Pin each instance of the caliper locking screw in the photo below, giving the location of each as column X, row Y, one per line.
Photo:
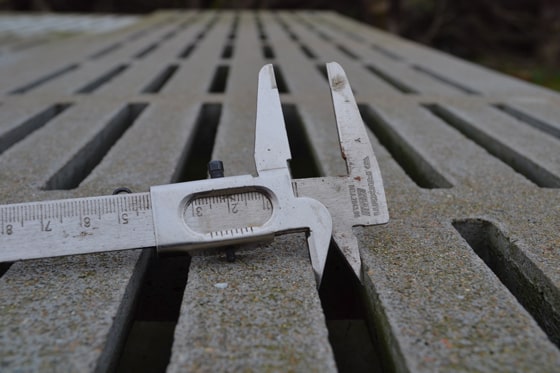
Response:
column 216, row 170
column 122, row 190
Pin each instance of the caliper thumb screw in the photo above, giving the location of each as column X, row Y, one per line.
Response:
column 216, row 169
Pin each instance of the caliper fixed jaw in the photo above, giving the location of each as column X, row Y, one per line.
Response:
column 357, row 199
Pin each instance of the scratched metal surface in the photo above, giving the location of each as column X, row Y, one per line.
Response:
column 464, row 277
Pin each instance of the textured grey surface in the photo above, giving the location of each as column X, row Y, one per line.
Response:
column 470, row 163
column 21, row 31
column 260, row 313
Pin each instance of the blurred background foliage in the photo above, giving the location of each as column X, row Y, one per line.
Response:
column 519, row 37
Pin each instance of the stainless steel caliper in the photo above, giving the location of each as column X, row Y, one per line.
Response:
column 222, row 211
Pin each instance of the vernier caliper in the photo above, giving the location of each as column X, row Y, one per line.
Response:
column 221, row 211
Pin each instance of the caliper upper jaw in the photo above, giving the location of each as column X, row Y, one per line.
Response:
column 312, row 215
column 272, row 148
column 272, row 153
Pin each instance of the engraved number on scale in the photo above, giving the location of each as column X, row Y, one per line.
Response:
column 228, row 214
column 85, row 214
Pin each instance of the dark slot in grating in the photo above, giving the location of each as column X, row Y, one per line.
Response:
column 90, row 155
column 103, row 79
column 532, row 288
column 386, row 52
column 199, row 149
column 268, row 52
column 184, row 25
column 169, row 35
column 324, row 36
column 303, row 162
column 412, row 163
column 524, row 166
column 351, row 332
column 45, row 79
column 286, row 29
column 147, row 347
column 323, row 70
column 121, row 321
column 234, row 26
column 308, row 53
column 4, row 268
column 187, row 51
column 137, row 35
column 161, row 79
column 260, row 28
column 443, row 79
column 200, row 35
column 280, row 81
column 347, row 52
column 227, row 52
column 402, row 87
column 146, row 50
column 292, row 35
column 219, row 81
column 105, row 51
column 29, row 126
column 530, row 120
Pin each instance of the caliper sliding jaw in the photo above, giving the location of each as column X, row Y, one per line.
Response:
column 357, row 199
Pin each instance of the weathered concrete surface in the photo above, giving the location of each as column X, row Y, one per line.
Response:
column 484, row 148
column 260, row 313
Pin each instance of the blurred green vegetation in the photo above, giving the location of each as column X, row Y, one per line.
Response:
column 530, row 71
column 517, row 37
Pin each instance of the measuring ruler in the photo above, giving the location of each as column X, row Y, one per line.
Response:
column 221, row 211
column 76, row 226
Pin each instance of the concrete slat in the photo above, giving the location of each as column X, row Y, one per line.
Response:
column 48, row 149
column 460, row 162
column 524, row 147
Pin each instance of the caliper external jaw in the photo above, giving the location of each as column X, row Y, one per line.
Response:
column 357, row 199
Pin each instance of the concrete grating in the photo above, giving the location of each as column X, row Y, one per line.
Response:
column 21, row 31
column 463, row 278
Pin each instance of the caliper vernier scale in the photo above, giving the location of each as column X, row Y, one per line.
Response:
column 223, row 211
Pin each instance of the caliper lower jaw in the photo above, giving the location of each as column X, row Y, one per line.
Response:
column 319, row 237
column 350, row 203
column 347, row 243
column 295, row 214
